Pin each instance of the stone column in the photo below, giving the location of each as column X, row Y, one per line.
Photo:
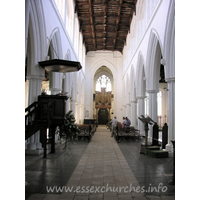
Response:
column 67, row 104
column 55, row 82
column 78, row 113
column 153, row 110
column 27, row 3
column 171, row 113
column 124, row 110
column 35, row 83
column 73, row 106
column 128, row 110
column 81, row 113
column 140, row 112
column 133, row 113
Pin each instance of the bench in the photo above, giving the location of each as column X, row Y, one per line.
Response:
column 128, row 134
column 109, row 126
column 86, row 131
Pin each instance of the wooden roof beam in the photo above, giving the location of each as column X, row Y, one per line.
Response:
column 117, row 23
column 105, row 20
column 92, row 22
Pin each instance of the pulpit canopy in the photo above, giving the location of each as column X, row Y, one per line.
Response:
column 58, row 65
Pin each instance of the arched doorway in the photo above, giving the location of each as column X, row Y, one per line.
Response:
column 103, row 116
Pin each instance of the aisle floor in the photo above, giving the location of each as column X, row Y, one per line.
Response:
column 101, row 169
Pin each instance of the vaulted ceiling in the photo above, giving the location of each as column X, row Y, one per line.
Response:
column 105, row 23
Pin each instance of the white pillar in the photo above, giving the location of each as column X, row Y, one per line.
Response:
column 164, row 108
column 55, row 82
column 124, row 110
column 73, row 106
column 67, row 104
column 81, row 113
column 35, row 84
column 78, row 113
column 133, row 113
column 153, row 110
column 171, row 113
column 128, row 110
column 27, row 2
column 140, row 112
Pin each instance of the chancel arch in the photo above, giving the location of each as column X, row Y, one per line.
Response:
column 103, row 95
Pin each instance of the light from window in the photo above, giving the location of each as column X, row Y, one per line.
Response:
column 159, row 100
column 103, row 82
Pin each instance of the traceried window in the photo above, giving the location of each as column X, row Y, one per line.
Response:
column 103, row 82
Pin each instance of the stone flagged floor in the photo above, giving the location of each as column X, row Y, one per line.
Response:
column 56, row 169
column 146, row 169
column 103, row 166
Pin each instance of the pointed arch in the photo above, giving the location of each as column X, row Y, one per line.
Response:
column 169, row 43
column 154, row 53
column 36, row 38
column 132, row 85
column 127, row 90
column 55, row 47
column 37, row 30
column 55, row 44
column 68, row 55
column 104, row 63
column 140, row 74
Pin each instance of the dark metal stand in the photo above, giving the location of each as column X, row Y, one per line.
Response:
column 52, row 129
column 155, row 135
column 146, row 128
column 164, row 135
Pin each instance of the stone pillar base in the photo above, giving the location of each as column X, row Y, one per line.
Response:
column 38, row 146
column 34, row 152
column 31, row 146
column 149, row 140
column 34, row 149
column 169, row 148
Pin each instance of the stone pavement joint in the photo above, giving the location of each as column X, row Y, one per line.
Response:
column 102, row 164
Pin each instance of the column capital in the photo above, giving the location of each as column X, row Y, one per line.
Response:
column 133, row 101
column 140, row 97
column 169, row 80
column 152, row 91
column 37, row 77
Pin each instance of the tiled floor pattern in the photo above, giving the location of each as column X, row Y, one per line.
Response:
column 56, row 169
column 102, row 166
column 148, row 170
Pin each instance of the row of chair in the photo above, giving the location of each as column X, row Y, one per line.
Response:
column 86, row 131
column 130, row 133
